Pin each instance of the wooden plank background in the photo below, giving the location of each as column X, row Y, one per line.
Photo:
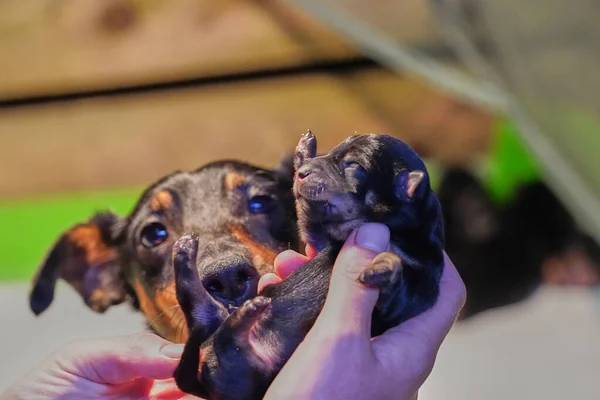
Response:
column 128, row 140
column 75, row 130
column 61, row 47
column 49, row 47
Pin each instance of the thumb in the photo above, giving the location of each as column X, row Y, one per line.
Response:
column 349, row 303
column 123, row 359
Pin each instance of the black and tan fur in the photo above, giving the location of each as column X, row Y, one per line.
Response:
column 242, row 216
column 367, row 178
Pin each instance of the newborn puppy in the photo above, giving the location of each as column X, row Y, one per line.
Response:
column 367, row 178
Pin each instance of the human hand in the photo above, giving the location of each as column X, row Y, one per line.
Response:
column 338, row 359
column 137, row 366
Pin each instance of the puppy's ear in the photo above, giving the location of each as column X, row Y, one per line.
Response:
column 86, row 257
column 407, row 183
column 470, row 215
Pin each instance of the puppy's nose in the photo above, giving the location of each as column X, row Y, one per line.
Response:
column 232, row 285
column 303, row 172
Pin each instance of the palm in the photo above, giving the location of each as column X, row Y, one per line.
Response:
column 138, row 389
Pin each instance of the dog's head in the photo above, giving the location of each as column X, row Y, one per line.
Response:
column 242, row 215
column 366, row 178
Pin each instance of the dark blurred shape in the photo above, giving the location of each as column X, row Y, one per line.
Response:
column 504, row 252
column 118, row 16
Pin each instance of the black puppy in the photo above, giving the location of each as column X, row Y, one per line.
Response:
column 243, row 216
column 367, row 178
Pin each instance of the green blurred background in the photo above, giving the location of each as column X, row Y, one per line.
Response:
column 30, row 226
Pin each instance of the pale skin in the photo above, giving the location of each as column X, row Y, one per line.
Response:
column 337, row 359
column 344, row 362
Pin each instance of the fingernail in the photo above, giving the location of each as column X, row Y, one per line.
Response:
column 373, row 236
column 172, row 351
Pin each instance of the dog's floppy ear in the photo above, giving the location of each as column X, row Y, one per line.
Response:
column 470, row 215
column 85, row 256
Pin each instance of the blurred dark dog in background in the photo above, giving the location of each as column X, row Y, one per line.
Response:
column 505, row 252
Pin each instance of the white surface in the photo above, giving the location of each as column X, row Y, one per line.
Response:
column 26, row 339
column 546, row 348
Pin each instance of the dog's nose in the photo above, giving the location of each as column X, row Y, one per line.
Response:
column 233, row 285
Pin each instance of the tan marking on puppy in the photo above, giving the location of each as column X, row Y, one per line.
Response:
column 234, row 180
column 262, row 256
column 163, row 200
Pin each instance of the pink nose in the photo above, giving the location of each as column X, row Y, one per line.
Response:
column 303, row 173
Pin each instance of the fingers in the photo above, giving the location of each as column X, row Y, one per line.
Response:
column 167, row 390
column 266, row 280
column 416, row 342
column 434, row 324
column 122, row 359
column 350, row 303
column 453, row 295
column 310, row 252
column 287, row 262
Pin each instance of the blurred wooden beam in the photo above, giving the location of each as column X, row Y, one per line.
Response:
column 119, row 141
column 60, row 46
column 50, row 47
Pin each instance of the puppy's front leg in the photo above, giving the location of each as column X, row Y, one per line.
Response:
column 186, row 374
column 202, row 312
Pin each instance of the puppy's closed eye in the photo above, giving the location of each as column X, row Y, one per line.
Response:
column 354, row 171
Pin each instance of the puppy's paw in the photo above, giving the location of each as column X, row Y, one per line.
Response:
column 384, row 271
column 186, row 246
column 247, row 315
column 197, row 305
column 185, row 251
column 255, row 306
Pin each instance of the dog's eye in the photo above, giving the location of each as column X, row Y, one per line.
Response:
column 154, row 234
column 260, row 204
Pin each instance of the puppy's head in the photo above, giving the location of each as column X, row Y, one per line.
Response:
column 373, row 178
column 242, row 216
